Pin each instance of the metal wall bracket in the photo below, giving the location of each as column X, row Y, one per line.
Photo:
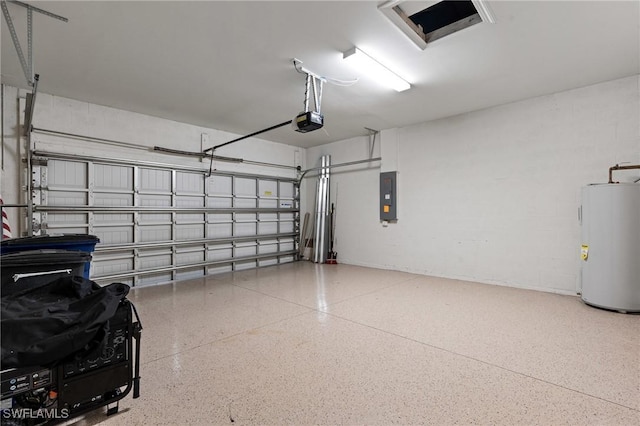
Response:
column 313, row 85
column 27, row 67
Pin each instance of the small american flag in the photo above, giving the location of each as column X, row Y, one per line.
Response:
column 6, row 228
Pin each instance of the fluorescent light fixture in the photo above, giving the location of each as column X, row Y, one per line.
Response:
column 375, row 69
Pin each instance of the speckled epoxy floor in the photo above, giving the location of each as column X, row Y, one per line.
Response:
column 336, row 344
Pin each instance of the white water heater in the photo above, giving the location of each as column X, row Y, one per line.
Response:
column 610, row 252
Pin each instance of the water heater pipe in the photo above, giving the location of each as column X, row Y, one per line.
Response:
column 619, row 167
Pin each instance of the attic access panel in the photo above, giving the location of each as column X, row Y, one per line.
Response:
column 426, row 21
column 445, row 18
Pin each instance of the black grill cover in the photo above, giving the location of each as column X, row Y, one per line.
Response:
column 37, row 261
column 43, row 325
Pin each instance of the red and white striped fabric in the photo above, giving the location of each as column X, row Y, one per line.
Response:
column 6, row 228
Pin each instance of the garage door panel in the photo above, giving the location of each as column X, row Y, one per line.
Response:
column 287, row 190
column 148, row 222
column 245, row 186
column 219, row 185
column 154, row 279
column 111, row 266
column 265, row 203
column 152, row 259
column 286, row 227
column 114, row 234
column 111, row 199
column 267, row 188
column 220, row 252
column 70, row 174
column 66, row 229
column 150, row 233
column 220, row 202
column 220, row 230
column 220, row 269
column 182, row 218
column 67, row 198
column 189, row 183
column 189, row 232
column 110, row 177
column 155, row 218
column 245, row 203
column 245, row 229
column 155, row 200
column 265, row 228
column 155, row 180
column 112, row 219
column 287, row 245
column 66, row 219
column 244, row 265
column 269, row 246
column 244, row 250
column 189, row 201
column 186, row 256
column 267, row 262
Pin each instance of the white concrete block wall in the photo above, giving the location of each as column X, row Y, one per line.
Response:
column 491, row 196
column 71, row 116
column 66, row 115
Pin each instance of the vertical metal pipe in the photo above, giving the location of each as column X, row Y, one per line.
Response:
column 323, row 206
column 323, row 230
column 318, row 219
column 29, row 186
column 321, row 240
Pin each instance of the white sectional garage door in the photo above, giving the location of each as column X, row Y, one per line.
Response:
column 161, row 222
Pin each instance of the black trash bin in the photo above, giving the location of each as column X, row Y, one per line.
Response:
column 72, row 242
column 28, row 269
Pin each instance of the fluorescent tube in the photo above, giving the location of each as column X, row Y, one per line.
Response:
column 375, row 69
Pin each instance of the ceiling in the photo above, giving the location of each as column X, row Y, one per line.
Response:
column 228, row 65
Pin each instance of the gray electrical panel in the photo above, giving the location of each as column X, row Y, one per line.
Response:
column 388, row 196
